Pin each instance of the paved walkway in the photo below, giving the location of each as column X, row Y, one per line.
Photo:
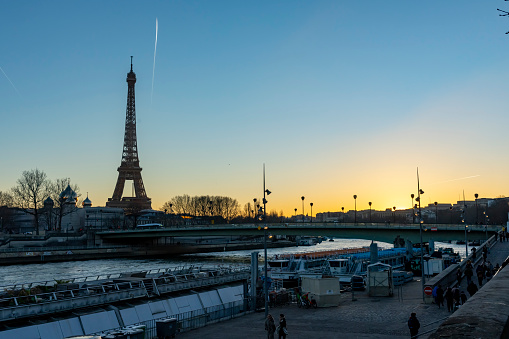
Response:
column 366, row 317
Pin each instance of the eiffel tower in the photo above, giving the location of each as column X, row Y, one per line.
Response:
column 130, row 165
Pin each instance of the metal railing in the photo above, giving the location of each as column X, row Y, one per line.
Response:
column 39, row 298
column 190, row 320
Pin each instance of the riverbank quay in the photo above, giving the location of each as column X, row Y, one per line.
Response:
column 360, row 316
column 33, row 254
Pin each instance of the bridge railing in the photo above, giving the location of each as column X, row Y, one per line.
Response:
column 331, row 225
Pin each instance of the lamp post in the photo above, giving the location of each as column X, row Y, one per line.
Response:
column 436, row 212
column 254, row 208
column 355, row 212
column 369, row 203
column 476, row 213
column 419, row 192
column 296, row 213
column 265, row 287
column 466, row 226
column 486, row 224
column 450, row 211
column 394, row 214
column 343, row 212
column 311, row 204
column 413, row 211
column 302, row 207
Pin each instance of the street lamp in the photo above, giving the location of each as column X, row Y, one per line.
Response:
column 254, row 208
column 355, row 213
column 436, row 212
column 265, row 287
column 413, row 212
column 343, row 212
column 394, row 215
column 302, row 207
column 486, row 224
column 369, row 203
column 418, row 199
column 311, row 204
column 295, row 213
column 476, row 213
column 450, row 211
column 466, row 226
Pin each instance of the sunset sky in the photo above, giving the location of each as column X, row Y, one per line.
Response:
column 336, row 98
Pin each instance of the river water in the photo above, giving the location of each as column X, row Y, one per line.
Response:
column 16, row 274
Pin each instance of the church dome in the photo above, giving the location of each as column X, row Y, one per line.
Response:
column 68, row 195
column 87, row 202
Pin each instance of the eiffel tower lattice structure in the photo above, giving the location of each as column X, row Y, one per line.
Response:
column 130, row 165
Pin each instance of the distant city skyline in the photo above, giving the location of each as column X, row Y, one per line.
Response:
column 336, row 98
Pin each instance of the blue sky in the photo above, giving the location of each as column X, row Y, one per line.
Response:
column 335, row 97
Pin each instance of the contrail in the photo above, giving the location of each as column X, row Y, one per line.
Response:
column 154, row 67
column 11, row 83
column 470, row 177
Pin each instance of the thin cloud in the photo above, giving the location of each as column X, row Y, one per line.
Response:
column 11, row 83
column 457, row 179
column 154, row 66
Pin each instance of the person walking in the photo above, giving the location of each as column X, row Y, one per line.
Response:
column 270, row 326
column 282, row 332
column 458, row 276
column 463, row 297
column 472, row 288
column 440, row 296
column 469, row 271
column 480, row 274
column 449, row 299
column 413, row 325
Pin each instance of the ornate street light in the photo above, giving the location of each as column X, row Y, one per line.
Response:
column 265, row 287
column 302, row 207
column 343, row 211
column 476, row 213
column 355, row 213
column 394, row 215
column 418, row 199
column 413, row 211
column 369, row 203
column 436, row 212
column 311, row 204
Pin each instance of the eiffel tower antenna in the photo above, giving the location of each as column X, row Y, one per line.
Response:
column 130, row 165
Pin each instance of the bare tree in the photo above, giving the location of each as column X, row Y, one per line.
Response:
column 63, row 203
column 204, row 205
column 29, row 193
column 181, row 204
column 246, row 211
column 6, row 199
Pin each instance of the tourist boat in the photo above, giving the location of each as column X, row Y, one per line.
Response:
column 289, row 268
column 346, row 266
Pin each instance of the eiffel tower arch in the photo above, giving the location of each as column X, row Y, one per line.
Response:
column 130, row 165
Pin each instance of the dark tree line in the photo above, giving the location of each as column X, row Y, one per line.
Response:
column 203, row 206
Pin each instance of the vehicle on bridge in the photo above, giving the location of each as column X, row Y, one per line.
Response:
column 148, row 226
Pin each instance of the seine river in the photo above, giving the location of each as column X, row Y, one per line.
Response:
column 16, row 274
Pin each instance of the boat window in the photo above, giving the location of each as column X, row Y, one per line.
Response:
column 334, row 263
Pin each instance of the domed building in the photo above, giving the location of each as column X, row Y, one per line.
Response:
column 68, row 196
column 86, row 202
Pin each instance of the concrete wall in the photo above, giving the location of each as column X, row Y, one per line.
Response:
column 485, row 315
column 447, row 278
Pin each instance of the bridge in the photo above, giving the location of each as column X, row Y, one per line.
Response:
column 370, row 231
